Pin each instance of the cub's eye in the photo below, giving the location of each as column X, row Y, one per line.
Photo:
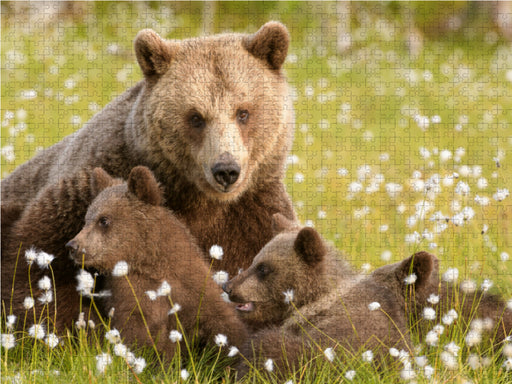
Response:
column 242, row 115
column 104, row 222
column 262, row 271
column 196, row 120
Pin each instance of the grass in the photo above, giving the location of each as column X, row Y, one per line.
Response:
column 362, row 155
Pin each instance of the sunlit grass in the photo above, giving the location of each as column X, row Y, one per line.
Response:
column 382, row 142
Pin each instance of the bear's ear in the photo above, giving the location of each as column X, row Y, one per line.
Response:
column 142, row 183
column 424, row 266
column 153, row 53
column 270, row 44
column 309, row 246
column 100, row 180
column 280, row 224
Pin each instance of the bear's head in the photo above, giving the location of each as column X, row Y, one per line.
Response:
column 291, row 267
column 215, row 110
column 119, row 222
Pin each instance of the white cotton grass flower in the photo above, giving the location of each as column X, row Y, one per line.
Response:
column 411, row 279
column 329, row 354
column 386, row 255
column 349, row 375
column 37, row 331
column 429, row 313
column 175, row 308
column 31, row 255
column 113, row 336
column 393, row 352
column 474, row 361
column 121, row 350
column 152, row 295
column 220, row 277
column 175, row 336
column 504, row 256
column 501, row 194
column 221, row 340
column 85, row 283
column 451, row 275
column 507, row 364
column 8, row 341
column 507, row 350
column 138, row 365
column 433, row 299
column 288, row 296
column 428, row 371
column 184, row 374
column 367, row 356
column 91, row 324
column 432, row 338
column 233, row 351
column 11, row 319
column 452, row 348
column 216, row 252
column 164, row 289
column 408, row 373
column 449, row 360
column 80, row 323
column 46, row 297
column 45, row 283
column 103, row 361
column 52, row 340
column 374, row 306
column 44, row 259
column 120, row 269
column 468, row 286
column 473, row 337
column 421, row 361
column 450, row 317
column 486, row 285
column 269, row 365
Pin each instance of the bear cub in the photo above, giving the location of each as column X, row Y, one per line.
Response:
column 166, row 269
column 299, row 294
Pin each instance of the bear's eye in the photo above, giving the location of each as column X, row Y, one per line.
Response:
column 196, row 120
column 104, row 222
column 242, row 115
column 263, row 270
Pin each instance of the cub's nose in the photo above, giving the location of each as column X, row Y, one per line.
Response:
column 72, row 245
column 226, row 287
column 226, row 170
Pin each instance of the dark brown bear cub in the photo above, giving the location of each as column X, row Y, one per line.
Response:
column 301, row 297
column 126, row 225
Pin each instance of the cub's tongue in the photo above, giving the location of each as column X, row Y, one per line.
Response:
column 247, row 307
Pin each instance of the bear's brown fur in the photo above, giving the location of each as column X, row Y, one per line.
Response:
column 212, row 119
column 127, row 222
column 331, row 304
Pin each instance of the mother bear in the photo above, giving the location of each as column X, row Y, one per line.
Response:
column 212, row 118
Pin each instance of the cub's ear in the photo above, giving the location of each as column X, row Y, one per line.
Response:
column 270, row 44
column 280, row 223
column 425, row 267
column 309, row 246
column 100, row 180
column 142, row 183
column 153, row 53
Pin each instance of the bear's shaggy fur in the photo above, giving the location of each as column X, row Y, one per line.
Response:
column 127, row 222
column 212, row 119
column 332, row 306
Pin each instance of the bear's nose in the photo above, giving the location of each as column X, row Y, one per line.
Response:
column 226, row 287
column 226, row 170
column 72, row 245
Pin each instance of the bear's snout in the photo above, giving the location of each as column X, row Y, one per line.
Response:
column 226, row 287
column 226, row 170
column 72, row 246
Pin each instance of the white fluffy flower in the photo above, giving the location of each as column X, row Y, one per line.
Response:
column 164, row 289
column 30, row 255
column 120, row 350
column 80, row 323
column 45, row 283
column 367, row 356
column 451, row 275
column 85, row 283
column 139, row 364
column 433, row 299
column 44, row 259
column 37, row 331
column 449, row 360
column 432, row 338
column 102, row 361
column 233, row 351
column 408, row 373
column 452, row 348
column 120, row 269
column 152, row 295
column 288, row 296
column 175, row 308
column 507, row 350
column 46, row 297
column 374, row 306
column 329, row 354
column 349, row 375
column 428, row 371
column 468, row 286
column 221, row 340
column 429, row 313
column 184, row 374
column 393, row 352
column 269, row 365
column 411, row 279
column 220, row 277
column 175, row 336
column 8, row 340
column 473, row 337
column 486, row 285
column 52, row 340
column 216, row 252
column 113, row 336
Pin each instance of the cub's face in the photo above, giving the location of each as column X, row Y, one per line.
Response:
column 291, row 262
column 215, row 108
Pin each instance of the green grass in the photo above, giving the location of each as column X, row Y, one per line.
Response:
column 353, row 109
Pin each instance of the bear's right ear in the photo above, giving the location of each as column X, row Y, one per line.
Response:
column 100, row 180
column 153, row 53
column 142, row 183
column 270, row 44
column 280, row 224
column 424, row 266
column 309, row 246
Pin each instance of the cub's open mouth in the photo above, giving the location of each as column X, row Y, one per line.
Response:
column 247, row 307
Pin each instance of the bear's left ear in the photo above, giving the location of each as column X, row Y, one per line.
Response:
column 142, row 183
column 270, row 44
column 424, row 266
column 100, row 180
column 153, row 53
column 309, row 246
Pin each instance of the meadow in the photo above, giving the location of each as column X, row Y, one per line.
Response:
column 394, row 152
